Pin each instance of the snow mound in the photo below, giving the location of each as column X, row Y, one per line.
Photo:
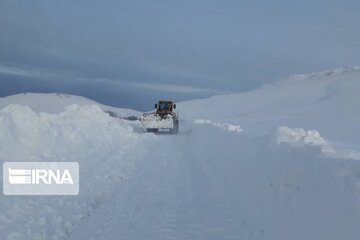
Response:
column 224, row 126
column 298, row 137
column 103, row 146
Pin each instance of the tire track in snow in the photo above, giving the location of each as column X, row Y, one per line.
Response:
column 171, row 196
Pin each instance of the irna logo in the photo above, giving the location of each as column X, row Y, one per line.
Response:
column 41, row 178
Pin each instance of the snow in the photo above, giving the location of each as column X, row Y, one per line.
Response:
column 225, row 126
column 57, row 102
column 230, row 186
column 298, row 136
column 81, row 133
column 152, row 120
column 279, row 162
column 325, row 102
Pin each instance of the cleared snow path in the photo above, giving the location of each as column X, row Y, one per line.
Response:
column 172, row 195
column 215, row 184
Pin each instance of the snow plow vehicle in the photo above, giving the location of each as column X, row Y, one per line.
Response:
column 164, row 118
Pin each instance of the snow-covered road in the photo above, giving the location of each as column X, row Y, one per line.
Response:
column 214, row 184
column 173, row 194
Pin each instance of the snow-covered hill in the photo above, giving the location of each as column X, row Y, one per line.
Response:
column 57, row 102
column 276, row 163
column 327, row 101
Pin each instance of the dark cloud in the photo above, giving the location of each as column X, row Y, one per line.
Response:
column 114, row 93
column 229, row 46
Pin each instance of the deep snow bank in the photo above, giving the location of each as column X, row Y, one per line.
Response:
column 103, row 146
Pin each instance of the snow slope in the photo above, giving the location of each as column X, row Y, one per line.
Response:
column 274, row 163
column 326, row 101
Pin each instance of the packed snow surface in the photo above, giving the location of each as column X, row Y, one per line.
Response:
column 279, row 162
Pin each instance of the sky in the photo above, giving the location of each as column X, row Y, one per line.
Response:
column 130, row 53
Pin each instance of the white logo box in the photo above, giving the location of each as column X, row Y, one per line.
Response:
column 41, row 178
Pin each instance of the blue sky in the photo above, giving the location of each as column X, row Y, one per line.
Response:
column 129, row 53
